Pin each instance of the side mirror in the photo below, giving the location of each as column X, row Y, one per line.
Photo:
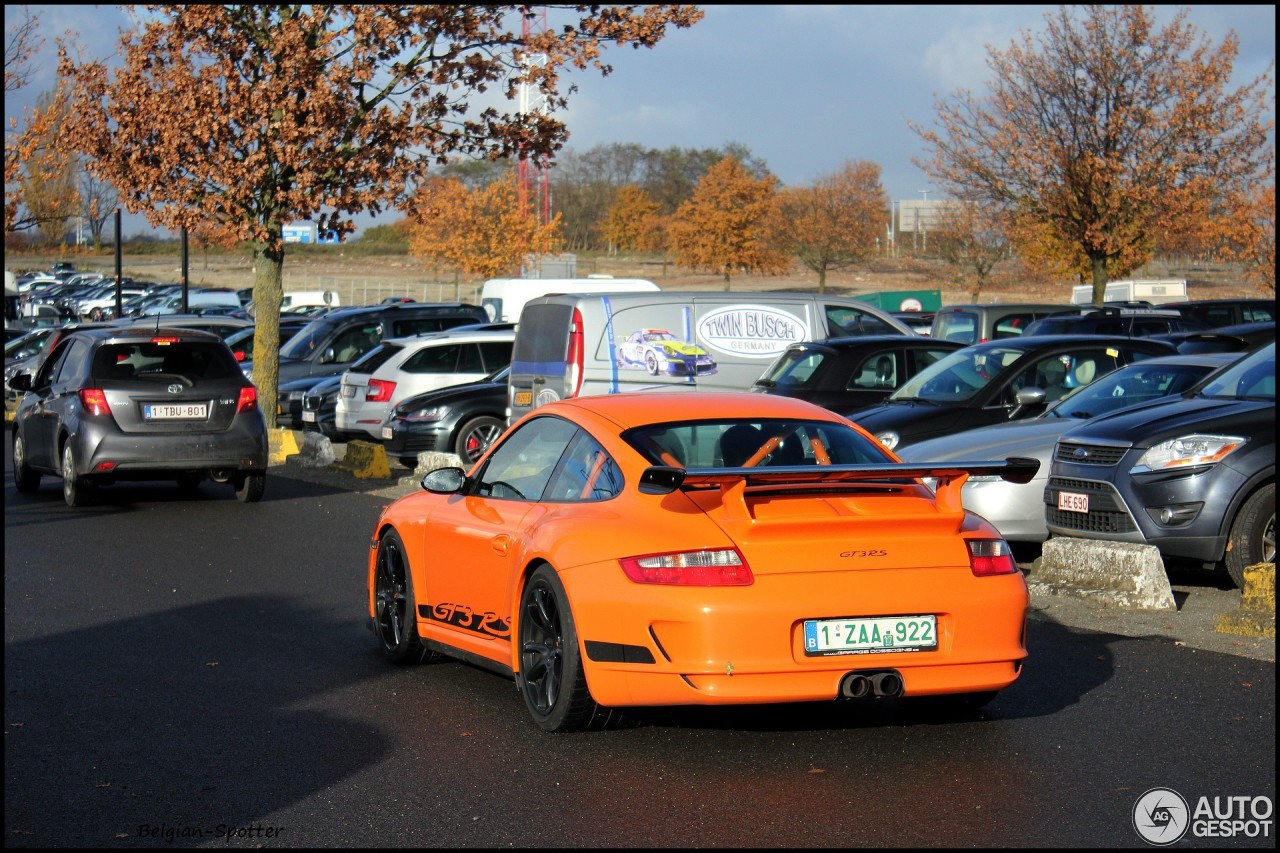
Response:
column 327, row 356
column 20, row 382
column 444, row 481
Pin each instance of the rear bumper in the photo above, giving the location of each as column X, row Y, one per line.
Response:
column 239, row 449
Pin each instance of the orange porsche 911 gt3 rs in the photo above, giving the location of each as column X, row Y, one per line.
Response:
column 700, row 549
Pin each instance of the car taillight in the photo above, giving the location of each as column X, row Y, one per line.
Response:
column 573, row 358
column 989, row 557
column 94, row 401
column 379, row 391
column 240, row 355
column 248, row 400
column 720, row 567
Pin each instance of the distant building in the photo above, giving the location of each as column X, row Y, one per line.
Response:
column 303, row 232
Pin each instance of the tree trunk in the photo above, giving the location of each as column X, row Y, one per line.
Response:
column 1099, row 263
column 822, row 279
column 268, row 294
column 726, row 279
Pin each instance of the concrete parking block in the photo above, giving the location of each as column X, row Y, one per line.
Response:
column 367, row 460
column 1118, row 574
column 1257, row 614
column 281, row 443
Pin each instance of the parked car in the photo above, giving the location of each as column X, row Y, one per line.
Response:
column 402, row 367
column 320, row 408
column 651, row 556
column 1213, row 313
column 920, row 322
column 1238, row 338
column 241, row 342
column 113, row 403
column 997, row 381
column 991, row 321
column 849, row 373
column 462, row 419
column 1192, row 475
column 1017, row 509
column 1131, row 322
column 333, row 342
column 223, row 327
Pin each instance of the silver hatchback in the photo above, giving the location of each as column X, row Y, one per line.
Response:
column 139, row 404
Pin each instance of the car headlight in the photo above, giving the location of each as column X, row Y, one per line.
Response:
column 429, row 415
column 1187, row 451
column 888, row 438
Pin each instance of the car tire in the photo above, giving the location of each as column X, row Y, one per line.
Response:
column 25, row 480
column 395, row 606
column 75, row 490
column 651, row 364
column 1253, row 534
column 250, row 487
column 476, row 435
column 550, row 675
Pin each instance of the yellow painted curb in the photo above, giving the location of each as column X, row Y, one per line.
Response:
column 282, row 443
column 367, row 460
column 1257, row 614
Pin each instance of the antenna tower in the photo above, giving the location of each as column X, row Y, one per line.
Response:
column 533, row 184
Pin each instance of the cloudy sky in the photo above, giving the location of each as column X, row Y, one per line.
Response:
column 804, row 88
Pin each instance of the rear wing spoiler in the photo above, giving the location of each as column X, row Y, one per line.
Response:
column 949, row 478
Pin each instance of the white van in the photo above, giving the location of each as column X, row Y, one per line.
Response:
column 581, row 345
column 504, row 298
column 310, row 299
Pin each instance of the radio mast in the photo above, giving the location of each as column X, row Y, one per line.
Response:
column 533, row 183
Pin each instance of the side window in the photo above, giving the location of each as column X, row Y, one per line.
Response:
column 434, row 359
column 1012, row 325
column 495, row 354
column 587, row 474
column 842, row 321
column 52, row 363
column 878, row 370
column 522, row 465
column 356, row 341
column 72, row 365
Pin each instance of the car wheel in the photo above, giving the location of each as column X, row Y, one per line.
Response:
column 24, row 478
column 250, row 487
column 476, row 436
column 75, row 491
column 651, row 364
column 1253, row 534
column 395, row 609
column 551, row 677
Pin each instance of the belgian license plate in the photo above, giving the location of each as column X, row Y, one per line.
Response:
column 870, row 636
column 1073, row 502
column 172, row 411
column 309, row 417
column 387, row 433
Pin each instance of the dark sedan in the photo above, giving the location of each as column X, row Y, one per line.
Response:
column 462, row 419
column 114, row 403
column 848, row 373
column 998, row 381
column 1192, row 475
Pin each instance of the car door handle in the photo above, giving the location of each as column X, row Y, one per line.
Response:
column 501, row 543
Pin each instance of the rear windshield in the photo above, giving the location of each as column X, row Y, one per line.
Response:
column 375, row 358
column 747, row 443
column 192, row 360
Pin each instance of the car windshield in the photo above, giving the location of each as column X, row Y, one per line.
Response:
column 1251, row 378
column 1129, row 386
column 959, row 376
column 312, row 335
column 793, row 369
column 748, row 443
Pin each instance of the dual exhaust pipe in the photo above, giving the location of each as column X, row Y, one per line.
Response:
column 881, row 683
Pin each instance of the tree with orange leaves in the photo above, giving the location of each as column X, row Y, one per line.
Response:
column 633, row 222
column 21, row 41
column 723, row 227
column 50, row 172
column 1247, row 235
column 834, row 223
column 972, row 241
column 256, row 116
column 483, row 233
column 1105, row 133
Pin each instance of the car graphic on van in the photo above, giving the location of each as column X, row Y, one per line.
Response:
column 660, row 352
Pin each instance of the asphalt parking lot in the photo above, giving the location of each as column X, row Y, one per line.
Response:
column 1202, row 597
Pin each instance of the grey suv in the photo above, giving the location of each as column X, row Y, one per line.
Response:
column 139, row 404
